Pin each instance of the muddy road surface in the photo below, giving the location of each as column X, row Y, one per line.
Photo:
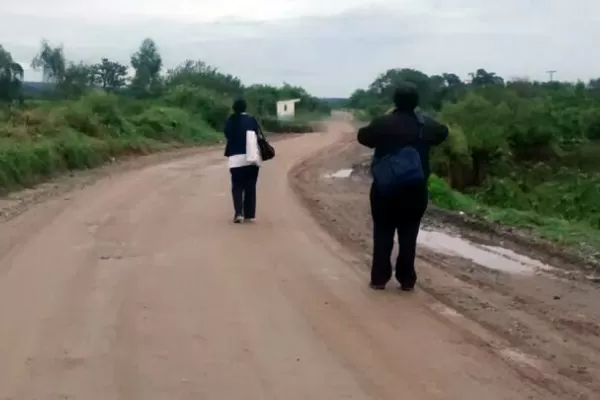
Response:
column 531, row 305
column 139, row 287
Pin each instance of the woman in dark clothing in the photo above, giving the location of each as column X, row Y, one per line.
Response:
column 244, row 174
column 401, row 210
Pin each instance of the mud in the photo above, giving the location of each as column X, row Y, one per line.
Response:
column 492, row 257
column 543, row 306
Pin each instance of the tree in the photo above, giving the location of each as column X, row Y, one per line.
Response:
column 51, row 60
column 452, row 80
column 111, row 75
column 483, row 78
column 199, row 73
column 11, row 77
column 385, row 83
column 70, row 79
column 77, row 80
column 147, row 63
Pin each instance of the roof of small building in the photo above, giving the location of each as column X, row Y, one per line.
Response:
column 288, row 101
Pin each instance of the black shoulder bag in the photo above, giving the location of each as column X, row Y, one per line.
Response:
column 267, row 152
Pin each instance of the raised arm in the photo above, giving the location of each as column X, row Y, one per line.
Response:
column 435, row 133
column 370, row 135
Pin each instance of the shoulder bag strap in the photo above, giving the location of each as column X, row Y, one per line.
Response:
column 260, row 134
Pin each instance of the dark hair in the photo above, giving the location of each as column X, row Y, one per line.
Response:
column 239, row 106
column 406, row 97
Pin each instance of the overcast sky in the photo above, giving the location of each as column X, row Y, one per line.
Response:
column 330, row 47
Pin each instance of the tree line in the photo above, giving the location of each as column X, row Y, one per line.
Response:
column 70, row 80
column 435, row 90
column 522, row 145
column 86, row 114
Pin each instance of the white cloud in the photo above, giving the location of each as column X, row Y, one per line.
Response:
column 329, row 47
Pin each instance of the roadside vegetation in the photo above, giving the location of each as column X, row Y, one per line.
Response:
column 520, row 153
column 83, row 115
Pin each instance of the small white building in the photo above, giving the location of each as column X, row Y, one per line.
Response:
column 286, row 109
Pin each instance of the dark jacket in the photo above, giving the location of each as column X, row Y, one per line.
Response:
column 389, row 132
column 235, row 133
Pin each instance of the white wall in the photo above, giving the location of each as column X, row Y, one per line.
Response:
column 286, row 109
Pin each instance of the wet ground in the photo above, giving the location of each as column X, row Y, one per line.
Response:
column 493, row 257
column 543, row 307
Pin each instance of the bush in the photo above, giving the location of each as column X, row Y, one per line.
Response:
column 213, row 108
column 37, row 143
column 443, row 196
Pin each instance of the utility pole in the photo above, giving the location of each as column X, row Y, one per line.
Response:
column 551, row 74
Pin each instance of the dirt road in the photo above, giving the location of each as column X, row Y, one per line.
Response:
column 138, row 287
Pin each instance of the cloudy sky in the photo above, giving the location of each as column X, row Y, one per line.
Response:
column 331, row 47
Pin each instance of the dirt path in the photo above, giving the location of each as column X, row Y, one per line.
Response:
column 137, row 287
column 542, row 317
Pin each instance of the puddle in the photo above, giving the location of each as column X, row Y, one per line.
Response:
column 493, row 257
column 342, row 173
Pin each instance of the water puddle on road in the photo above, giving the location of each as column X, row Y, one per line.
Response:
column 342, row 173
column 493, row 257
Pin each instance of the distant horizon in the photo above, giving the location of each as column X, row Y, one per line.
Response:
column 329, row 97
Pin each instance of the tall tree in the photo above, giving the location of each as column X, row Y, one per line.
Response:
column 451, row 79
column 52, row 62
column 199, row 73
column 387, row 82
column 11, row 77
column 147, row 63
column 484, row 78
column 111, row 75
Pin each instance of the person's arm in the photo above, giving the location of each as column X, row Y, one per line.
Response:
column 435, row 133
column 370, row 135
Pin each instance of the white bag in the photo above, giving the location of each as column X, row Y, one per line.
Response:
column 252, row 150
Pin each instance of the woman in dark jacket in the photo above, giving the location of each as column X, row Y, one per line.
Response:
column 400, row 212
column 244, row 174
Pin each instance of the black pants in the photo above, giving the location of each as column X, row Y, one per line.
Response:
column 400, row 213
column 243, row 190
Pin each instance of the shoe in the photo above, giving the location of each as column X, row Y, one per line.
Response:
column 407, row 288
column 250, row 220
column 376, row 287
column 238, row 219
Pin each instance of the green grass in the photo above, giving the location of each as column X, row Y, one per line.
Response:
column 47, row 139
column 28, row 162
column 577, row 234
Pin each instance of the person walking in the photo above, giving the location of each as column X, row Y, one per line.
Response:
column 400, row 167
column 241, row 127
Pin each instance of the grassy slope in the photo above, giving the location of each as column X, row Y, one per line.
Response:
column 578, row 234
column 49, row 138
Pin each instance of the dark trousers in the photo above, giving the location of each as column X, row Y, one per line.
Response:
column 400, row 213
column 243, row 190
